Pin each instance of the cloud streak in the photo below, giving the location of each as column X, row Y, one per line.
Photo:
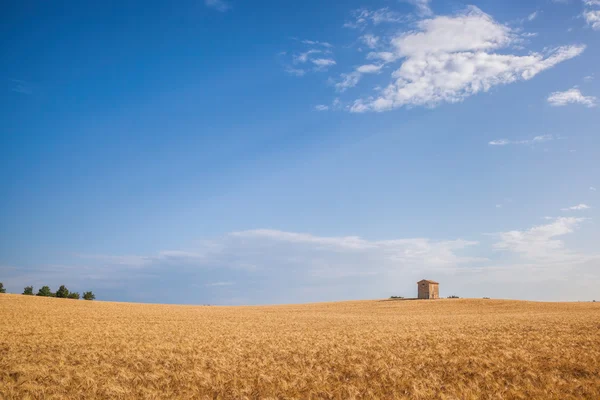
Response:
column 571, row 96
column 422, row 6
column 578, row 207
column 535, row 140
column 364, row 17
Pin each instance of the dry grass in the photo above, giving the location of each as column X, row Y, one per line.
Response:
column 445, row 349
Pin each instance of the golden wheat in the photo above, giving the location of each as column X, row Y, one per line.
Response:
column 444, row 349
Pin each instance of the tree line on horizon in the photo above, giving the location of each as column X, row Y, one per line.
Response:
column 62, row 292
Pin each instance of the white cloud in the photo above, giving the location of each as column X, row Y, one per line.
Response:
column 370, row 40
column 535, row 140
column 592, row 15
column 320, row 58
column 571, row 96
column 369, row 69
column 269, row 252
column 304, row 56
column 422, row 6
column 449, row 58
column 219, row 5
column 578, row 207
column 384, row 56
column 593, row 189
column 295, row 71
column 321, row 107
column 323, row 62
column 336, row 103
column 348, row 81
column 402, row 251
column 364, row 17
column 317, row 43
column 472, row 30
column 540, row 242
column 532, row 16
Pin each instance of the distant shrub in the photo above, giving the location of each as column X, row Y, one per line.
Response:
column 73, row 295
column 396, row 297
column 45, row 292
column 453, row 297
column 2, row 290
column 486, row 298
column 28, row 291
column 62, row 292
column 88, row 296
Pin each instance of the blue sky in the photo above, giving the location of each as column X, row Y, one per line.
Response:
column 231, row 152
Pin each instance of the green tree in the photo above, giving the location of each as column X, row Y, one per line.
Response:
column 2, row 290
column 28, row 291
column 73, row 295
column 62, row 292
column 44, row 292
column 88, row 296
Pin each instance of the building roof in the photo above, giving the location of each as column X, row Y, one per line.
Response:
column 428, row 281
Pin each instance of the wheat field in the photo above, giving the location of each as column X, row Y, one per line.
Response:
column 441, row 349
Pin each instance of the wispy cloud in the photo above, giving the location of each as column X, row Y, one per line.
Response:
column 219, row 5
column 541, row 242
column 370, row 40
column 320, row 58
column 323, row 63
column 578, row 207
column 331, row 267
column 422, row 6
column 21, row 86
column 295, row 71
column 217, row 284
column 369, row 69
column 593, row 189
column 591, row 13
column 571, row 96
column 317, row 43
column 449, row 58
column 321, row 107
column 535, row 140
column 261, row 249
column 304, row 56
column 363, row 17
column 532, row 16
column 349, row 80
column 593, row 19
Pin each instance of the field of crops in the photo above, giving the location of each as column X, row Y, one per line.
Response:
column 439, row 349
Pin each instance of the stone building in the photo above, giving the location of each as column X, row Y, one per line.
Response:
column 428, row 289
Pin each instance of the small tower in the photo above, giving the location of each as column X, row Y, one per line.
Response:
column 428, row 289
